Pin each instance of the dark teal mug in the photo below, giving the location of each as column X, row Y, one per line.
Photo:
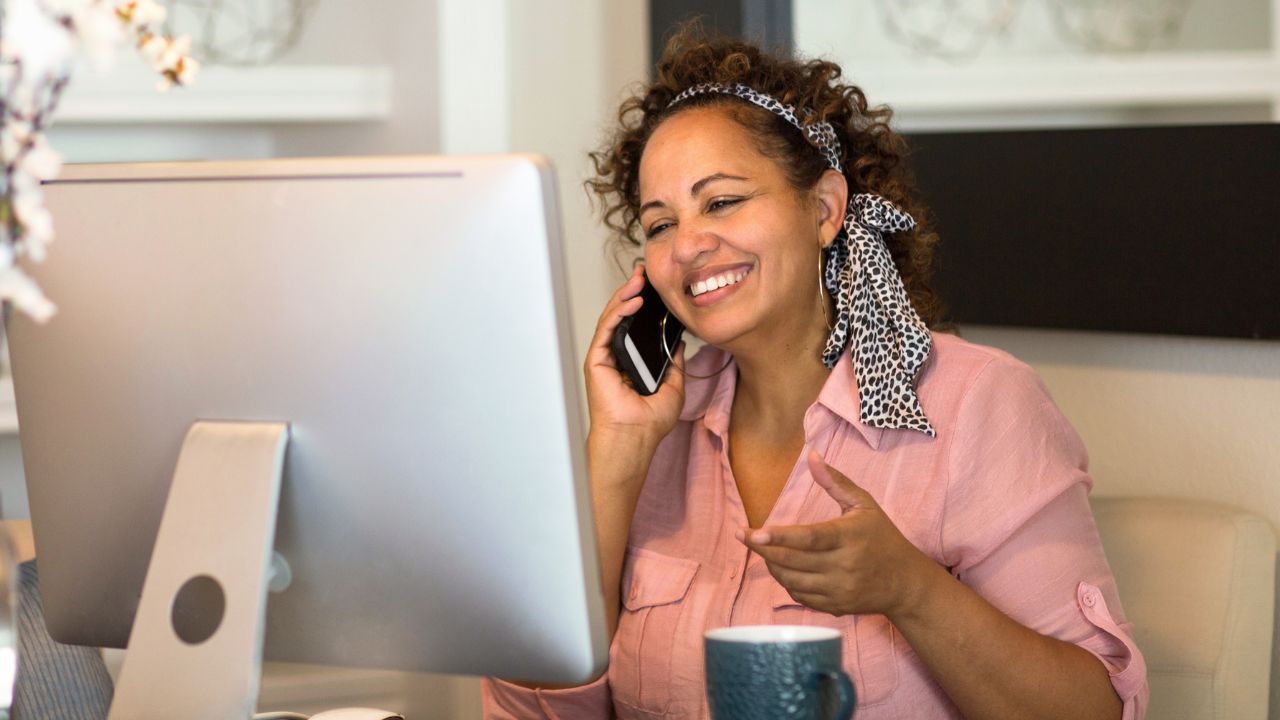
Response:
column 777, row 672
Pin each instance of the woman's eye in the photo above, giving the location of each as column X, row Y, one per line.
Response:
column 722, row 203
column 656, row 229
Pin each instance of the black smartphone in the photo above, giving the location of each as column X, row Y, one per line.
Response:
column 638, row 342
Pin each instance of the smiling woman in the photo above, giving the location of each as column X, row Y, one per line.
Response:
column 849, row 466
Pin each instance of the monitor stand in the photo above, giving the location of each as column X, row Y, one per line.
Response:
column 195, row 650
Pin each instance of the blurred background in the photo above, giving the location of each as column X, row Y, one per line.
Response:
column 1161, row 414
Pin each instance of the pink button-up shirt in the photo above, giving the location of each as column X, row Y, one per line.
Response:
column 999, row 497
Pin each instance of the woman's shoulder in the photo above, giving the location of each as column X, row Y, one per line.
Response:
column 962, row 374
column 956, row 353
column 958, row 363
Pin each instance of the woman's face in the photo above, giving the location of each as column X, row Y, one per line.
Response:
column 731, row 246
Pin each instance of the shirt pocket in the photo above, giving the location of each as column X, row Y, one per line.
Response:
column 872, row 646
column 653, row 589
column 878, row 649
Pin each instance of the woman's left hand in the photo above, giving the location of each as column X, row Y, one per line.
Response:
column 856, row 563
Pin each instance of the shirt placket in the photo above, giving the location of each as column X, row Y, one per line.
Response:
column 753, row 587
column 747, row 599
column 734, row 555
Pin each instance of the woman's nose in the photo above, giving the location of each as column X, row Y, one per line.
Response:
column 691, row 241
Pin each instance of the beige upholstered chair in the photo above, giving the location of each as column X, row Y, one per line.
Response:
column 1197, row 580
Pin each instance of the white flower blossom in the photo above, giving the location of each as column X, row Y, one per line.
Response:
column 152, row 48
column 41, row 162
column 36, row 247
column 99, row 32
column 22, row 99
column 175, row 50
column 21, row 183
column 187, row 75
column 139, row 14
column 30, row 34
column 41, row 39
column 22, row 291
column 11, row 136
column 37, row 222
column 66, row 7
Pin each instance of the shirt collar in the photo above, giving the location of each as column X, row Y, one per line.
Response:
column 712, row 398
column 839, row 394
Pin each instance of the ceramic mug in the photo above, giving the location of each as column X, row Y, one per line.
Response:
column 777, row 672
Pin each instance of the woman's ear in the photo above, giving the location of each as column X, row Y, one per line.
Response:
column 833, row 197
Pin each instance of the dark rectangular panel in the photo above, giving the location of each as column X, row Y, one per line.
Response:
column 1170, row 230
column 766, row 22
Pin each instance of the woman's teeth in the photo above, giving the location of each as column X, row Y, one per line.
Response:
column 716, row 282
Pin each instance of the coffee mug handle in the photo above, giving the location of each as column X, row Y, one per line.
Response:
column 845, row 687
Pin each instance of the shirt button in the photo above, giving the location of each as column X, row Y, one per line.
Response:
column 733, row 573
column 1090, row 599
column 634, row 592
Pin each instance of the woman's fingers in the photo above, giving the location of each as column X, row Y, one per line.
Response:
column 798, row 581
column 627, row 292
column 610, row 395
column 625, row 301
column 609, row 321
column 802, row 560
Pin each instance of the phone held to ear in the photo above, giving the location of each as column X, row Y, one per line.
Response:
column 638, row 342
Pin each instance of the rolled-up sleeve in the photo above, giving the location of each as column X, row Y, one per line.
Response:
column 505, row 701
column 1019, row 531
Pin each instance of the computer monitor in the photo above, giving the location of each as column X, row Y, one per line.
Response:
column 407, row 317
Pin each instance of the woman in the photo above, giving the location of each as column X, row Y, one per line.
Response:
column 826, row 459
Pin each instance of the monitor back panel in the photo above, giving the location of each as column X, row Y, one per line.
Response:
column 407, row 317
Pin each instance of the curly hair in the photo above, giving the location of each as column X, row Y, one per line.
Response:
column 872, row 154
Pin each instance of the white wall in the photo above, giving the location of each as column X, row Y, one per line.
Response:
column 565, row 67
column 400, row 33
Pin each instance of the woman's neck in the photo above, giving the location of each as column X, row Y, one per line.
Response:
column 777, row 384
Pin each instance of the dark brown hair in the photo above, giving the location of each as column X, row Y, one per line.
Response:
column 872, row 153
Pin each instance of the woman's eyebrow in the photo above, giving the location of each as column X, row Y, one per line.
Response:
column 694, row 190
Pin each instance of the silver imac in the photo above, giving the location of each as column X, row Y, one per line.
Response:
column 405, row 320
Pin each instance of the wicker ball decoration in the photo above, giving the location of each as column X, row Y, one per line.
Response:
column 1109, row 26
column 240, row 32
column 950, row 29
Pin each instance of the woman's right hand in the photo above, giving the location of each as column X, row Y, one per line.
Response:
column 626, row 428
column 617, row 410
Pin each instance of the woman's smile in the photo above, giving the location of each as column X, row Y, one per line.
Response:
column 711, row 286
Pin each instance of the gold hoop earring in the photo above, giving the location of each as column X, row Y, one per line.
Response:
column 822, row 301
column 662, row 330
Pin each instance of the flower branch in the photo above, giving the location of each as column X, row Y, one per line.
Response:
column 40, row 41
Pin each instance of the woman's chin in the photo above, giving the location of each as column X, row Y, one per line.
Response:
column 723, row 338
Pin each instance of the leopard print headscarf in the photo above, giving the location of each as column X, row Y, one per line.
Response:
column 890, row 341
